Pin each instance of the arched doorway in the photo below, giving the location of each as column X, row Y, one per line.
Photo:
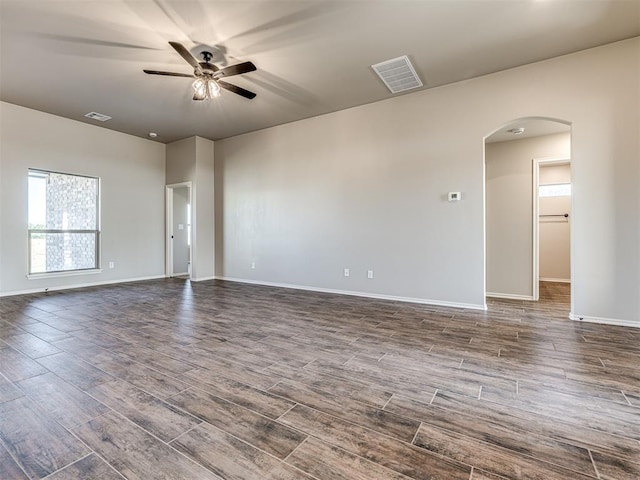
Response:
column 527, row 240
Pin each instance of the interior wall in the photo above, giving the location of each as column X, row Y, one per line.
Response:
column 205, row 195
column 131, row 172
column 365, row 188
column 181, row 161
column 192, row 160
column 554, row 233
column 509, row 210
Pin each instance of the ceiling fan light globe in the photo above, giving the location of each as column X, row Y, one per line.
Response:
column 199, row 89
column 213, row 88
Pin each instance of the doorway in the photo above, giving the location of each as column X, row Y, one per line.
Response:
column 551, row 223
column 179, row 230
column 514, row 155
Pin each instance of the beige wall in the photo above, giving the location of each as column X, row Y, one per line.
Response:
column 552, row 174
column 365, row 188
column 181, row 161
column 131, row 172
column 204, row 209
column 509, row 207
column 554, row 232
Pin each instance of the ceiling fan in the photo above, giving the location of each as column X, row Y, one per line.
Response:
column 207, row 76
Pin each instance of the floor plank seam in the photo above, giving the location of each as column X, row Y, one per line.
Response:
column 413, row 440
column 186, row 431
column 287, row 411
column 91, row 452
column 626, row 398
column 594, row 464
column 296, row 448
column 387, row 402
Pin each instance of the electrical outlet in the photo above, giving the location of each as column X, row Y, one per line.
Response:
column 369, row 273
column 346, row 272
column 253, row 265
column 112, row 265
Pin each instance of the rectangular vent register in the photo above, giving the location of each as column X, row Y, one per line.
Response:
column 398, row 74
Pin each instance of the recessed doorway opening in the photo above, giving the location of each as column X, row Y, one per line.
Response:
column 527, row 238
column 179, row 228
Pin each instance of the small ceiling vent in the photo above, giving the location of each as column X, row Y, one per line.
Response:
column 98, row 116
column 398, row 74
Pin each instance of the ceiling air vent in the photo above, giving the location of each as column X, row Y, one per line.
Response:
column 98, row 116
column 398, row 74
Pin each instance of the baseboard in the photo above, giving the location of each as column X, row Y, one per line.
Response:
column 79, row 285
column 470, row 306
column 556, row 280
column 509, row 296
column 605, row 321
column 202, row 279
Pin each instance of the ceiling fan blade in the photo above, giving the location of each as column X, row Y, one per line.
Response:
column 184, row 53
column 238, row 90
column 238, row 69
column 171, row 74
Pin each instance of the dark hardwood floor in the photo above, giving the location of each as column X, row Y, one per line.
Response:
column 172, row 380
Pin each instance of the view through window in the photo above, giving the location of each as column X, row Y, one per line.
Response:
column 555, row 190
column 63, row 222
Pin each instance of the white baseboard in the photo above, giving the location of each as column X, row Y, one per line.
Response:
column 605, row 321
column 557, row 280
column 509, row 296
column 423, row 301
column 202, row 279
column 78, row 285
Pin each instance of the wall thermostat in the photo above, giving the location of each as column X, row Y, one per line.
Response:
column 454, row 196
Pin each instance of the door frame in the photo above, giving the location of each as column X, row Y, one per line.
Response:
column 169, row 226
column 536, row 163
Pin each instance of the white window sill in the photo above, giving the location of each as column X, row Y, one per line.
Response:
column 71, row 273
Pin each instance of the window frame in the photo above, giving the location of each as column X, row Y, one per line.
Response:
column 97, row 232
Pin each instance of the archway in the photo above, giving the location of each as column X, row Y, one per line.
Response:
column 515, row 153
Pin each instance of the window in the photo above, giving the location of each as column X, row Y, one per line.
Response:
column 63, row 222
column 555, row 190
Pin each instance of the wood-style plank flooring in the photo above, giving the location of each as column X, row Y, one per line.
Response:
column 217, row 380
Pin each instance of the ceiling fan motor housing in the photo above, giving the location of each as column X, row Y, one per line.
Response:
column 206, row 66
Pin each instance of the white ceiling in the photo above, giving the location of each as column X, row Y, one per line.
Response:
column 313, row 56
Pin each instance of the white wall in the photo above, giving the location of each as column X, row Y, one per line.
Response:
column 132, row 174
column 554, row 233
column 364, row 188
column 509, row 207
